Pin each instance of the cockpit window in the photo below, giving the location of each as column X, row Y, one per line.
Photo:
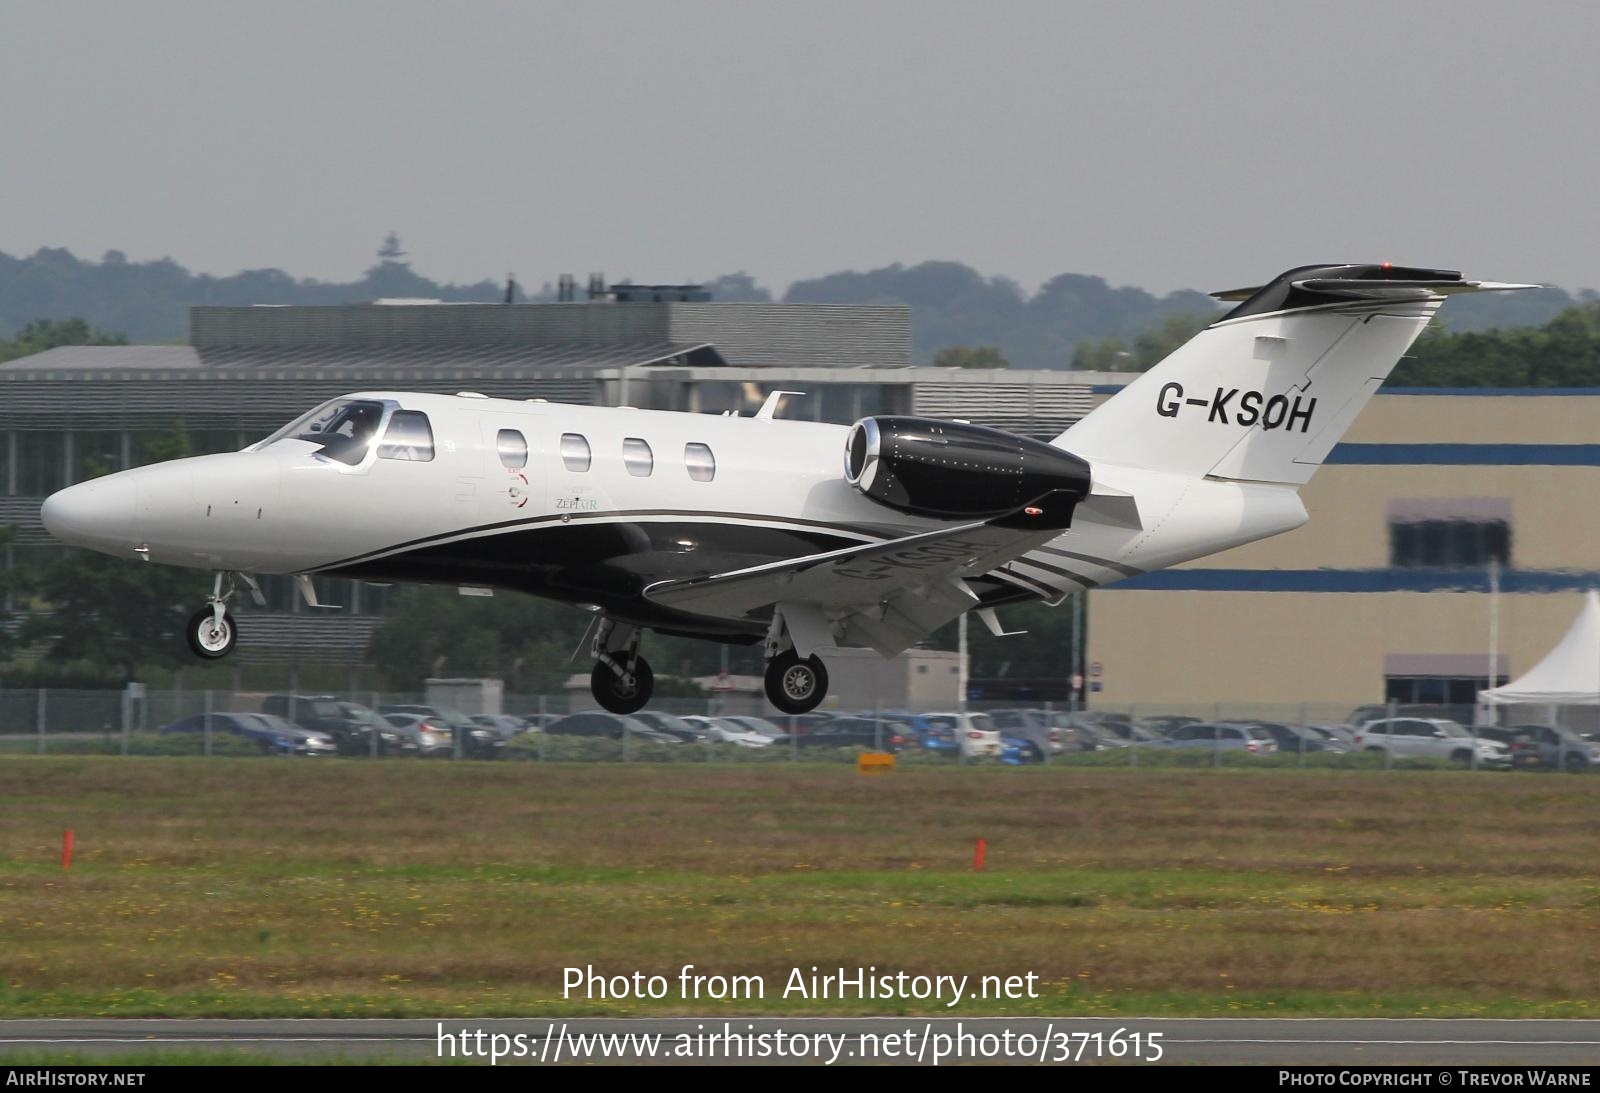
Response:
column 343, row 429
column 409, row 436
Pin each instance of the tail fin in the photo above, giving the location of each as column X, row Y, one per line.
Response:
column 1265, row 392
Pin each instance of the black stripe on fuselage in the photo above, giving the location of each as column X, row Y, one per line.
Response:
column 607, row 563
column 1076, row 578
column 1115, row 567
column 861, row 533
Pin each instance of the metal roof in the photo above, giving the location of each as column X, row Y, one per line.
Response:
column 378, row 360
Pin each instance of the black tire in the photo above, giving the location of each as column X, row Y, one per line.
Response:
column 207, row 641
column 796, row 686
column 1464, row 758
column 1573, row 763
column 618, row 695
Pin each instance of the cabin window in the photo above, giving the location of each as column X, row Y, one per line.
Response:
column 409, row 436
column 513, row 449
column 575, row 452
column 701, row 463
column 637, row 457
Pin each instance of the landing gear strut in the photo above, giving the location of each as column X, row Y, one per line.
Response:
column 211, row 631
column 622, row 680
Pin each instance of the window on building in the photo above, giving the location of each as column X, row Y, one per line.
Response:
column 637, row 457
column 701, row 463
column 575, row 452
column 1464, row 543
column 513, row 449
column 1436, row 690
column 409, row 436
column 41, row 462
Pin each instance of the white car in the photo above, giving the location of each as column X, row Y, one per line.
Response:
column 976, row 733
column 1430, row 736
column 725, row 730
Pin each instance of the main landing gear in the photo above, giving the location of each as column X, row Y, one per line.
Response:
column 794, row 684
column 622, row 680
column 211, row 631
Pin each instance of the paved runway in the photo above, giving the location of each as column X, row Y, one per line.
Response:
column 1071, row 1041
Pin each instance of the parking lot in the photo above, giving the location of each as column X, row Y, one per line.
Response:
column 389, row 726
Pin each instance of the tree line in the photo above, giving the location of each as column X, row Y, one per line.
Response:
column 952, row 305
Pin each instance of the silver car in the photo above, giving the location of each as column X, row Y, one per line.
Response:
column 1433, row 737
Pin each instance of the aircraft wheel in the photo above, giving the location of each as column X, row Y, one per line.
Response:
column 209, row 640
column 626, row 693
column 796, row 686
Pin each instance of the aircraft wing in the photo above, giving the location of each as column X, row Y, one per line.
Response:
column 884, row 595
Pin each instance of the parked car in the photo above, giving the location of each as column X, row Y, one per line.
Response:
column 856, row 732
column 1033, row 729
column 507, row 725
column 684, row 730
column 1164, row 724
column 1250, row 739
column 350, row 724
column 759, row 725
column 609, row 725
column 1018, row 751
column 1553, row 748
column 937, row 736
column 1093, row 735
column 1337, row 734
column 273, row 735
column 1299, row 738
column 1359, row 716
column 1434, row 737
column 976, row 733
column 432, row 738
column 477, row 742
column 1128, row 732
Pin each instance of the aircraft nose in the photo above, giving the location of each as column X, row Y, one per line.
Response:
column 98, row 514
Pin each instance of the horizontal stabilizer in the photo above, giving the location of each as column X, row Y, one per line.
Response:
column 1368, row 289
column 1405, row 290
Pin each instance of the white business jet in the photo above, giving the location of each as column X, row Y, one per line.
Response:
column 801, row 536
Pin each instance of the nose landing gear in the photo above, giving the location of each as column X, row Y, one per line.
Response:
column 622, row 680
column 211, row 631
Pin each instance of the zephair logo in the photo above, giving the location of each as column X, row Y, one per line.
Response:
column 1272, row 412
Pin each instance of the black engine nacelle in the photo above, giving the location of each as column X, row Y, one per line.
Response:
column 929, row 467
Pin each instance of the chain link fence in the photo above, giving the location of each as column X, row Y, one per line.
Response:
column 566, row 728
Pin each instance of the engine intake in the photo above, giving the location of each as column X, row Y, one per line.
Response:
column 929, row 467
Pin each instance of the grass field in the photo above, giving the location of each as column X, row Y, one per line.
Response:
column 346, row 888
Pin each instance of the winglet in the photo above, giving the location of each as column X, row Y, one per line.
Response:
column 769, row 408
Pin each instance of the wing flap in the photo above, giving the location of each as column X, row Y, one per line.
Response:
column 874, row 580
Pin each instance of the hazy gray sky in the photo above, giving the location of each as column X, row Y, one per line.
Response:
column 1159, row 144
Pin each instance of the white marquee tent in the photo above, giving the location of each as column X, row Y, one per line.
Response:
column 1569, row 675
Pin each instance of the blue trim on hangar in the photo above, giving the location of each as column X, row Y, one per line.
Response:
column 1361, row 580
column 1466, row 455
